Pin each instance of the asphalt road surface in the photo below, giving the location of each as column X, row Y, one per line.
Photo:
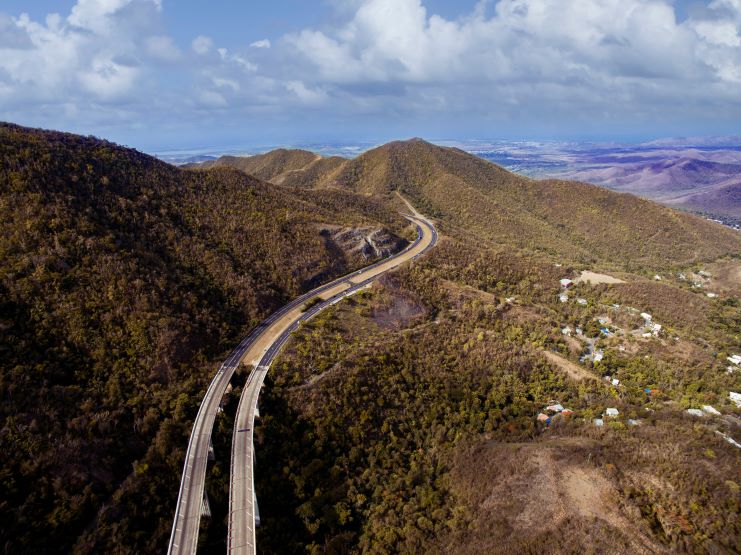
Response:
column 259, row 348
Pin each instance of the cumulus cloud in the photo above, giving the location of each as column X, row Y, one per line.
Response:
column 201, row 44
column 502, row 63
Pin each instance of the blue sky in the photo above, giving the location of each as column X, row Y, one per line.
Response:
column 159, row 74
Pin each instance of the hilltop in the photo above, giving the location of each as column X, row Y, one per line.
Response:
column 575, row 221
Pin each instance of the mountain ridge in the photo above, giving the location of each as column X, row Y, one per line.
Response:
column 561, row 217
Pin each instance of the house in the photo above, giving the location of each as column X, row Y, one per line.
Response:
column 544, row 418
column 567, row 412
column 582, row 302
column 616, row 306
column 711, row 410
column 579, row 331
column 566, row 282
column 599, row 422
column 657, row 277
column 695, row 412
column 735, row 359
column 598, row 355
column 633, row 422
column 646, row 335
column 563, row 297
column 554, row 408
column 612, row 412
column 566, row 330
column 646, row 316
column 615, row 381
column 712, row 295
column 605, row 331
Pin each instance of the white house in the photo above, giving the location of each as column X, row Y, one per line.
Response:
column 695, row 412
column 711, row 410
column 612, row 413
column 646, row 316
column 566, row 282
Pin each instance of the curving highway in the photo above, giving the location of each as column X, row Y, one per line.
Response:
column 259, row 348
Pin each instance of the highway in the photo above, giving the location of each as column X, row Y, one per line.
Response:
column 259, row 348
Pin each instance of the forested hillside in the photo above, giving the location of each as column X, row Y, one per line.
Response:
column 480, row 201
column 123, row 281
column 414, row 418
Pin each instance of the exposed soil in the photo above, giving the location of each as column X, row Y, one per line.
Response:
column 594, row 278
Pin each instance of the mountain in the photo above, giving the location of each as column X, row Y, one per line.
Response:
column 274, row 166
column 691, row 183
column 123, row 281
column 574, row 221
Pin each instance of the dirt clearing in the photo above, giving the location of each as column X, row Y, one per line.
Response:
column 594, row 278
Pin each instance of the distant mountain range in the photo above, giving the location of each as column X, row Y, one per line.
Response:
column 706, row 182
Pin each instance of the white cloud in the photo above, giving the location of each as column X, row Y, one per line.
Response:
column 304, row 94
column 163, row 48
column 201, row 44
column 603, row 62
column 264, row 43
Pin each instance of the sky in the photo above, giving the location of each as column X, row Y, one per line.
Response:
column 167, row 74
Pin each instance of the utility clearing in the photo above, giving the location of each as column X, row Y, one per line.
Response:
column 573, row 370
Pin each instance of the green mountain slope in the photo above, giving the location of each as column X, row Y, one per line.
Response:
column 123, row 281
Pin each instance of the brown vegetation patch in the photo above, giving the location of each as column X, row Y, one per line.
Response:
column 542, row 498
column 725, row 276
column 667, row 304
column 459, row 293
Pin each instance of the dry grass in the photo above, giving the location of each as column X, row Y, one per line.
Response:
column 544, row 497
column 573, row 370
